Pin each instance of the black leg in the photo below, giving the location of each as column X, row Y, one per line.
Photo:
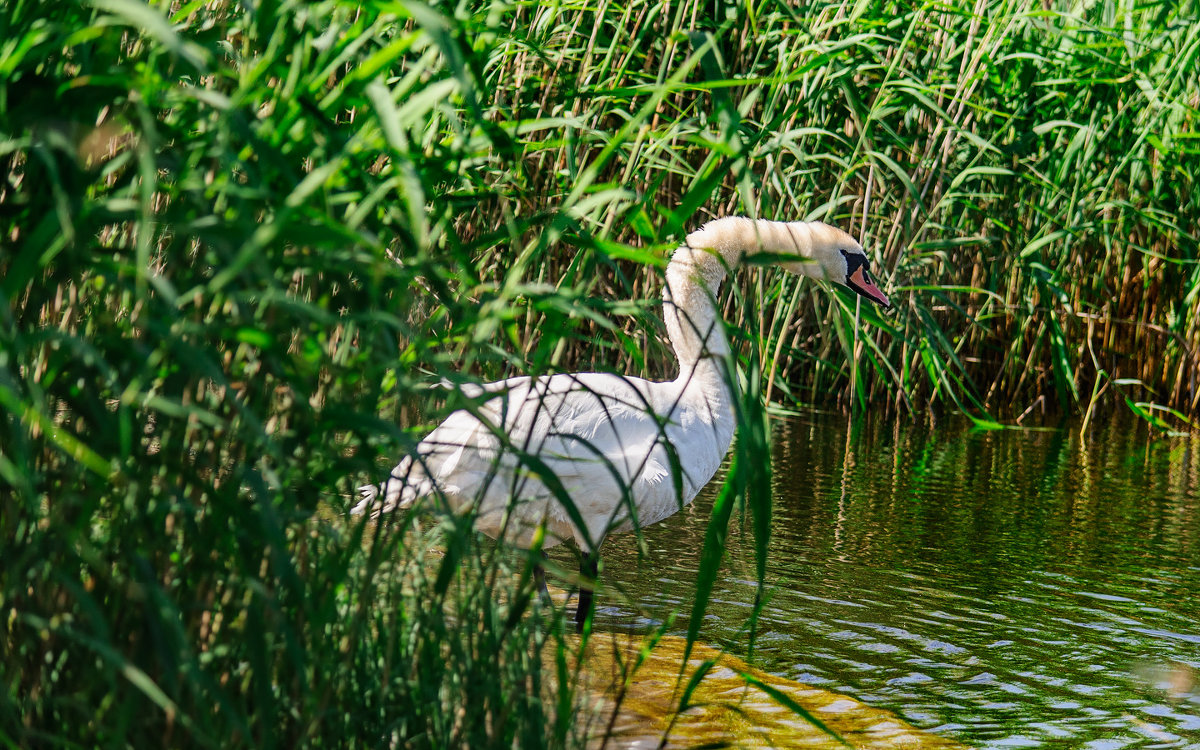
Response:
column 588, row 570
column 539, row 575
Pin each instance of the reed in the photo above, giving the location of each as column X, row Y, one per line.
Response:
column 239, row 246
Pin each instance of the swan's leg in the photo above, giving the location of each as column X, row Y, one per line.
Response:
column 587, row 570
column 539, row 575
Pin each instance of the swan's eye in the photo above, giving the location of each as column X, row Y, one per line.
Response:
column 854, row 261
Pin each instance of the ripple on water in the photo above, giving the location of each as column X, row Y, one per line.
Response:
column 1010, row 590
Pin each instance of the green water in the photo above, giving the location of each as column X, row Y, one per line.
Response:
column 1005, row 589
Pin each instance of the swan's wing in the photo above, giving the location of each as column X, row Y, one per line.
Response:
column 610, row 443
column 577, row 422
column 604, row 439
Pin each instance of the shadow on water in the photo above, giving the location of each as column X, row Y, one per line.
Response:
column 1005, row 589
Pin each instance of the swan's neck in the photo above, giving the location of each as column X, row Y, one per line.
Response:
column 696, row 332
column 694, row 277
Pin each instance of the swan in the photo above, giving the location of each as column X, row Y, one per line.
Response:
column 622, row 450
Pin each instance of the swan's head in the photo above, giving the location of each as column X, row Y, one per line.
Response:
column 833, row 255
column 809, row 248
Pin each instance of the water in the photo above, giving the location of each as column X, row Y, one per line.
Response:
column 1005, row 589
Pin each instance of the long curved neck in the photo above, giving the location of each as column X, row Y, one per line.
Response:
column 689, row 308
column 697, row 269
column 697, row 334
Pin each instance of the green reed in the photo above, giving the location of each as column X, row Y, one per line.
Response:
column 240, row 246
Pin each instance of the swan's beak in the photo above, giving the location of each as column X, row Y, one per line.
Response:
column 861, row 283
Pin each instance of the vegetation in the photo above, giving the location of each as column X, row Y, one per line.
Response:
column 241, row 243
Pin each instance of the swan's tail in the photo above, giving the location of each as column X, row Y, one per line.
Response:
column 402, row 487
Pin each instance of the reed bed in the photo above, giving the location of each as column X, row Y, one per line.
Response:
column 242, row 242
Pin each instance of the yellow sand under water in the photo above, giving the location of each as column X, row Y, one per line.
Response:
column 644, row 685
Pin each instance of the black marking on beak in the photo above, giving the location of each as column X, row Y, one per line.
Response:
column 858, row 278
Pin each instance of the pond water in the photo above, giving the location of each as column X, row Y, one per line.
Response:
column 1004, row 589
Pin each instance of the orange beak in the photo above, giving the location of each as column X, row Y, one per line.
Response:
column 860, row 283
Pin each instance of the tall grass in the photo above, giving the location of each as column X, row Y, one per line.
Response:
column 1026, row 176
column 222, row 294
column 240, row 242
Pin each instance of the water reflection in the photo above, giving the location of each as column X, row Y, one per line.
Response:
column 1007, row 589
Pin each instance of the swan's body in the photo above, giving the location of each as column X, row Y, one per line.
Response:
column 598, row 434
column 613, row 443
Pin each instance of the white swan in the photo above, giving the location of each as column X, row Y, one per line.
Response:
column 613, row 444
